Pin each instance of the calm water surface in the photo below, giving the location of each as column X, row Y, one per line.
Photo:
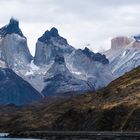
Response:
column 6, row 134
column 16, row 139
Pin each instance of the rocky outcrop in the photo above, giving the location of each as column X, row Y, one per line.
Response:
column 124, row 55
column 95, row 56
column 137, row 38
column 12, row 27
column 90, row 67
column 59, row 81
column 120, row 42
column 15, row 90
column 13, row 46
column 49, row 45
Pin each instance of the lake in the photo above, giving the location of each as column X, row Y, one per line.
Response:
column 16, row 139
column 70, row 135
column 6, row 134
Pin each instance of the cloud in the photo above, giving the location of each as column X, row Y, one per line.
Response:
column 80, row 21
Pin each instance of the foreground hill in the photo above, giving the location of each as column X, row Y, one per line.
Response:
column 114, row 108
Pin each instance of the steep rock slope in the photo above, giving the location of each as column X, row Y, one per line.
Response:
column 124, row 55
column 59, row 80
column 14, row 90
column 90, row 66
column 49, row 45
column 13, row 46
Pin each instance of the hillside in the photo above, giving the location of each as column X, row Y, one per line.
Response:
column 114, row 108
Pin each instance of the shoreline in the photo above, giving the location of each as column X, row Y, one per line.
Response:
column 108, row 135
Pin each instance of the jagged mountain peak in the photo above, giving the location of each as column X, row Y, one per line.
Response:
column 95, row 56
column 14, row 22
column 54, row 32
column 48, row 34
column 49, row 45
column 13, row 46
column 87, row 51
column 12, row 27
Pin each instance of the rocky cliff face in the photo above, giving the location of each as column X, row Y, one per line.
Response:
column 49, row 45
column 13, row 46
column 12, row 27
column 15, row 90
column 124, row 55
column 60, row 81
column 90, row 67
column 120, row 42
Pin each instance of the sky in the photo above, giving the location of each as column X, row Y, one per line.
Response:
column 82, row 22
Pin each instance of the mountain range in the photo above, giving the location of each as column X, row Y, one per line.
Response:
column 59, row 69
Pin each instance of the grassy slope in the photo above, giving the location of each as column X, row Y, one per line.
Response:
column 116, row 107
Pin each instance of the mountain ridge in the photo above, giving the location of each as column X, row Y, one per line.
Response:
column 16, row 55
